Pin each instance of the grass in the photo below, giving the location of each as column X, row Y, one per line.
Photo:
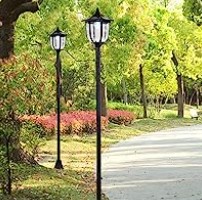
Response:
column 40, row 183
column 76, row 181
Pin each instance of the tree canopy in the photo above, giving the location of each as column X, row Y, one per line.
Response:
column 192, row 9
column 143, row 33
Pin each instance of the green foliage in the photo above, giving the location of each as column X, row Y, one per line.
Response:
column 192, row 9
column 158, row 70
column 153, row 113
column 124, row 30
column 136, row 109
column 31, row 137
column 188, row 40
column 168, row 114
column 27, row 86
column 78, row 86
column 5, row 164
column 9, row 129
column 3, row 170
column 143, row 32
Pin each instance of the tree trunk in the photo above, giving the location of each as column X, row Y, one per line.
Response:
column 11, row 132
column 6, row 40
column 9, row 13
column 166, row 3
column 158, row 104
column 103, row 94
column 17, row 154
column 191, row 98
column 125, row 95
column 186, row 95
column 165, row 103
column 174, row 101
column 143, row 96
column 197, row 98
column 180, row 99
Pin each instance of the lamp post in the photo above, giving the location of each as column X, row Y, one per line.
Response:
column 57, row 40
column 97, row 28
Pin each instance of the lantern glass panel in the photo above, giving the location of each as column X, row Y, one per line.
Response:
column 88, row 32
column 51, row 42
column 97, row 31
column 63, row 39
column 56, row 43
column 105, row 32
column 94, row 31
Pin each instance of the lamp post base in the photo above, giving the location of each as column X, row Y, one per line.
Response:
column 58, row 164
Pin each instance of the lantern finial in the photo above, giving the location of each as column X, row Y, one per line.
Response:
column 97, row 13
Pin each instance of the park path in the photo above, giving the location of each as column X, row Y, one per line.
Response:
column 165, row 165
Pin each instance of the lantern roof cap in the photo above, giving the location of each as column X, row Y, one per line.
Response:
column 58, row 32
column 97, row 17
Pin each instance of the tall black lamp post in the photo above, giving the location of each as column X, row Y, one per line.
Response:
column 97, row 28
column 57, row 40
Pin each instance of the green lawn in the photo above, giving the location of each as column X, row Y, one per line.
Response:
column 76, row 181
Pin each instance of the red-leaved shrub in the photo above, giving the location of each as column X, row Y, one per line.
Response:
column 121, row 117
column 77, row 122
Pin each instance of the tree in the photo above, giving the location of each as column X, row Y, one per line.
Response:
column 192, row 9
column 159, row 75
column 9, row 13
column 144, row 100
column 128, row 41
column 187, row 53
column 26, row 89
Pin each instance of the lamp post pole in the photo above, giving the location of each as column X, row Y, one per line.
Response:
column 58, row 164
column 98, row 123
column 97, row 28
column 57, row 40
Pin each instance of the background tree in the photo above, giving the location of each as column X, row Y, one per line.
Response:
column 26, row 89
column 186, row 53
column 192, row 9
column 9, row 14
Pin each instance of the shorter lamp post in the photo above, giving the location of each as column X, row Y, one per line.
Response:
column 57, row 40
column 97, row 28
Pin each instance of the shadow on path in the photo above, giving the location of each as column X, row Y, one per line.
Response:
column 163, row 165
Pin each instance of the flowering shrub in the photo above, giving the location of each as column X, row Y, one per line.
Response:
column 120, row 117
column 77, row 122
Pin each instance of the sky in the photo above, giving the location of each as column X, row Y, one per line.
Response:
column 174, row 3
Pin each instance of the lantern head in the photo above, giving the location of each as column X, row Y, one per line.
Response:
column 57, row 40
column 97, row 28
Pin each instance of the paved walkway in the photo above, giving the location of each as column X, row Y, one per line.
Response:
column 165, row 165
